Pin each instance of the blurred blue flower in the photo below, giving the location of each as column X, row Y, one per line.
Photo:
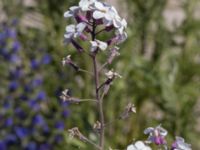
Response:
column 25, row 120
column 13, row 86
column 31, row 146
column 9, row 122
column 36, row 82
column 65, row 113
column 41, row 95
column 15, row 59
column 2, row 145
column 45, row 146
column 16, row 46
column 33, row 104
column 21, row 132
column 6, row 104
column 10, row 139
column 20, row 113
column 46, row 59
column 58, row 138
column 60, row 125
column 38, row 120
column 15, row 73
column 34, row 64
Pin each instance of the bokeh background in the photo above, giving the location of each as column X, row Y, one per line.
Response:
column 159, row 62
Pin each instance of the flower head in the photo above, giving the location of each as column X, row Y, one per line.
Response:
column 130, row 108
column 179, row 144
column 156, row 135
column 95, row 45
column 139, row 145
column 74, row 31
column 111, row 75
column 86, row 5
column 72, row 11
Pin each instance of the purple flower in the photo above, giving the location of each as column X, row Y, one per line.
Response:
column 16, row 46
column 33, row 104
column 38, row 120
column 41, row 95
column 6, row 104
column 60, row 125
column 65, row 113
column 156, row 135
column 31, row 146
column 58, row 138
column 36, row 82
column 9, row 121
column 21, row 132
column 34, row 64
column 46, row 59
column 13, row 86
column 15, row 59
column 179, row 144
column 45, row 146
column 20, row 113
column 2, row 145
column 16, row 73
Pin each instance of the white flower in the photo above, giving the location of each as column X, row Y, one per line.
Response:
column 122, row 26
column 156, row 135
column 110, row 74
column 74, row 31
column 66, row 60
column 101, row 10
column 139, row 145
column 98, row 44
column 85, row 5
column 121, row 37
column 180, row 144
column 72, row 11
column 109, row 15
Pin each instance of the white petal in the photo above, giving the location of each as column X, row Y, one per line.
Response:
column 68, row 14
column 131, row 147
column 107, row 22
column 139, row 145
column 124, row 23
column 108, row 16
column 81, row 26
column 74, row 8
column 99, row 5
column 98, row 14
column 70, row 28
column 68, row 36
column 93, row 46
column 114, row 10
column 102, row 45
column 93, row 43
column 117, row 22
column 148, row 130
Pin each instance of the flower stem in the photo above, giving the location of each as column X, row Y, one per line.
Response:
column 100, row 100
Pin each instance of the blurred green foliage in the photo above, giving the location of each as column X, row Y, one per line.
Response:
column 160, row 68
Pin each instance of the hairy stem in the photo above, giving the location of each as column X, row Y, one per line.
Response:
column 100, row 100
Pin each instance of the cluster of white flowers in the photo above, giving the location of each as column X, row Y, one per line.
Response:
column 90, row 13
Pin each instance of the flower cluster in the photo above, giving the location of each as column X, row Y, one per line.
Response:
column 157, row 136
column 26, row 120
column 94, row 17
